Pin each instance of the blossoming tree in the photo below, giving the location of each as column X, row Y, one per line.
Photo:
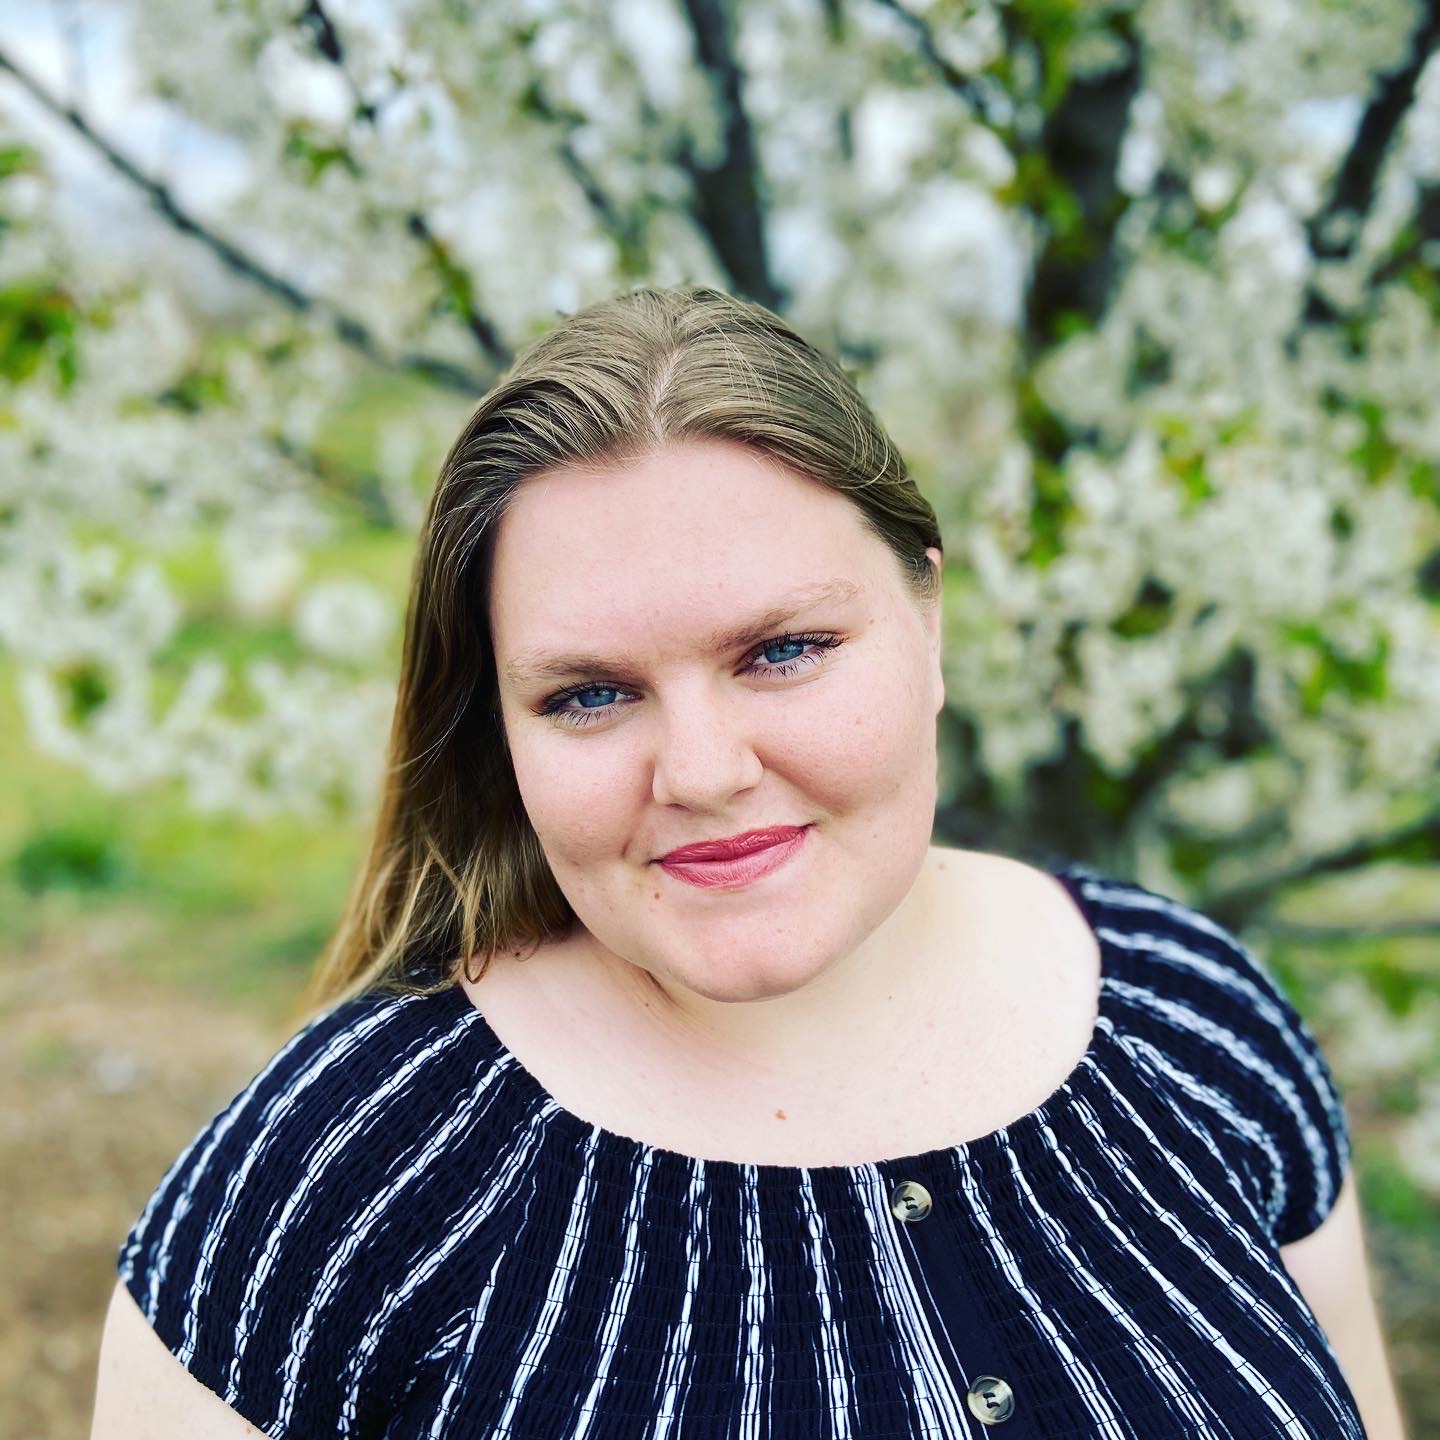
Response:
column 1146, row 291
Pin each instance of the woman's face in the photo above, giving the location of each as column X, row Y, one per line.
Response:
column 668, row 738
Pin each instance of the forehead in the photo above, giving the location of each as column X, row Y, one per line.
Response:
column 688, row 534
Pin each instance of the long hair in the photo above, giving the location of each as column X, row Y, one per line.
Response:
column 455, row 873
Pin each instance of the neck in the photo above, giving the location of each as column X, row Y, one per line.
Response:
column 862, row 1000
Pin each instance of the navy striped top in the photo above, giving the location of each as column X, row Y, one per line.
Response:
column 395, row 1231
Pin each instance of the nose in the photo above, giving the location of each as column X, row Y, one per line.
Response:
column 704, row 750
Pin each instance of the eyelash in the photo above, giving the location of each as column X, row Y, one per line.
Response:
column 579, row 718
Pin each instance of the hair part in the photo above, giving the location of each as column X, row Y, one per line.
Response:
column 455, row 872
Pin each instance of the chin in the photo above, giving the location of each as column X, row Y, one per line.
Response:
column 740, row 983
column 738, row 994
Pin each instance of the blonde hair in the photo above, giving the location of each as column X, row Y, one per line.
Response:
column 454, row 869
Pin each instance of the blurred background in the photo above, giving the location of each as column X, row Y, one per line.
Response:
column 1147, row 291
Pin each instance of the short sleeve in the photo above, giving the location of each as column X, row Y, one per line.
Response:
column 262, row 1259
column 1265, row 1058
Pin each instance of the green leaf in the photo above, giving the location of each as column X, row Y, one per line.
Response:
column 195, row 390
column 313, row 156
column 16, row 160
column 1150, row 612
column 1376, row 454
column 69, row 857
column 86, row 688
column 1389, row 1193
column 37, row 322
column 1366, row 678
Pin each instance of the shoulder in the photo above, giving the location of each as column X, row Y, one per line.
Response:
column 140, row 1391
column 1213, row 1017
column 277, row 1244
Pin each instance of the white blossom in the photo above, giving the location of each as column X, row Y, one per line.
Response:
column 1253, row 469
column 344, row 619
column 1418, row 1139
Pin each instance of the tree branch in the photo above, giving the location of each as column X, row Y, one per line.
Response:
column 1424, row 230
column 627, row 234
column 955, row 80
column 362, row 491
column 459, row 287
column 1348, row 934
column 351, row 331
column 1080, row 146
column 727, row 196
column 1333, row 230
column 326, row 39
column 1236, row 906
column 457, row 283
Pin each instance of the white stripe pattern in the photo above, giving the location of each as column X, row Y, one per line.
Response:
column 1186, row 1018
column 331, row 1148
column 271, row 1119
column 394, row 1230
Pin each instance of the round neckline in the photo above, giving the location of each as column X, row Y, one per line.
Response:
column 1013, row 1134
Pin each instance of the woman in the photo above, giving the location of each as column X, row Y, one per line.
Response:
column 751, row 1112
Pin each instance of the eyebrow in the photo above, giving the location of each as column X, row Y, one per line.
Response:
column 532, row 665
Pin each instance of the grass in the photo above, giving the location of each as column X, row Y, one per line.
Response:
column 239, row 909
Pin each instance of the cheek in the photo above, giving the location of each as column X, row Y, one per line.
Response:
column 862, row 742
column 575, row 796
column 874, row 721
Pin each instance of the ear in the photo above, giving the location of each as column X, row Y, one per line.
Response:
column 934, row 623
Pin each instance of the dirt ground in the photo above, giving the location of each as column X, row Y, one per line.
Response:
column 105, row 1077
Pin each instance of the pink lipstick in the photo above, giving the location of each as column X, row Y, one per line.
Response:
column 737, row 861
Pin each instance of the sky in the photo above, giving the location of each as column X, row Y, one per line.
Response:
column 78, row 51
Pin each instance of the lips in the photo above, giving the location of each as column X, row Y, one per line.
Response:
column 734, row 846
column 739, row 872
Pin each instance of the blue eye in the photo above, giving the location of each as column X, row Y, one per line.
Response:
column 555, row 705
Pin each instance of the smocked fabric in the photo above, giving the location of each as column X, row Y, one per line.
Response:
column 395, row 1231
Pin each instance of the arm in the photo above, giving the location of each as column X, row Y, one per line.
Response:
column 142, row 1391
column 1330, row 1269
